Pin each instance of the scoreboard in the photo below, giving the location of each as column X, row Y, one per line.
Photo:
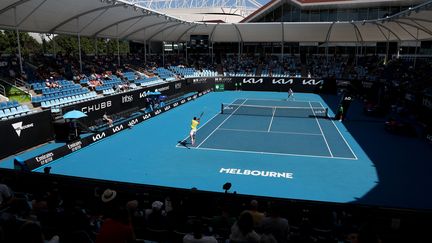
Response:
column 199, row 41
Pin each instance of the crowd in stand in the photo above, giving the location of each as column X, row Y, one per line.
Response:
column 53, row 214
column 401, row 76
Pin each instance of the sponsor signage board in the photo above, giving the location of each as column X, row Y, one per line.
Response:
column 24, row 132
column 55, row 154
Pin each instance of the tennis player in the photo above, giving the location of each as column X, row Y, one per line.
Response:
column 194, row 124
column 341, row 113
column 290, row 94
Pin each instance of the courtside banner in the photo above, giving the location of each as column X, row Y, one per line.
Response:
column 57, row 153
column 309, row 85
column 134, row 99
column 21, row 133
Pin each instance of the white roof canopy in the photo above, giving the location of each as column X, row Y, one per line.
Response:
column 120, row 19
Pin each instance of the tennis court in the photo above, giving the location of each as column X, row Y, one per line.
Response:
column 289, row 150
column 267, row 126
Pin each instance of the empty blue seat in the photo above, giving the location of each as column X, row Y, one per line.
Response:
column 7, row 112
column 13, row 110
column 2, row 114
column 25, row 108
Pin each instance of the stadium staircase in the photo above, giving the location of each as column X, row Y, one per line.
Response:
column 259, row 70
column 220, row 69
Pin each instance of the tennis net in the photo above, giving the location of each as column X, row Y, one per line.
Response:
column 278, row 111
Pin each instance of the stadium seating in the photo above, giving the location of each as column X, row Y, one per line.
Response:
column 60, row 102
column 188, row 72
column 130, row 76
column 14, row 111
column 149, row 81
column 165, row 74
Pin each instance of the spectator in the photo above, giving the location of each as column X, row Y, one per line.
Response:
column 222, row 223
column 108, row 119
column 156, row 216
column 256, row 215
column 197, row 234
column 32, row 232
column 117, row 228
column 242, row 230
column 2, row 238
column 276, row 225
column 6, row 195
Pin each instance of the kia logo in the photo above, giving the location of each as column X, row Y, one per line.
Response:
column 98, row 136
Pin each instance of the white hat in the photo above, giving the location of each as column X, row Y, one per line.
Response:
column 157, row 205
column 108, row 195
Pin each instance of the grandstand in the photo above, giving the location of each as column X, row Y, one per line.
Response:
column 95, row 121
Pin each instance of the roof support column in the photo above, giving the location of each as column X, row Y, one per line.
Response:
column 145, row 52
column 356, row 46
column 18, row 41
column 163, row 54
column 212, row 52
column 398, row 50
column 186, row 53
column 327, row 41
column 178, row 48
column 282, row 33
column 239, row 52
column 54, row 46
column 415, row 51
column 118, row 48
column 282, row 41
column 79, row 45
column 96, row 46
column 387, row 49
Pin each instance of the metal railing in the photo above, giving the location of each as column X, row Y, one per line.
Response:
column 2, row 90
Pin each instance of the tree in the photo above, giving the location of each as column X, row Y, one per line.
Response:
column 8, row 43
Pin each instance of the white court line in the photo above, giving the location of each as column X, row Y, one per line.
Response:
column 272, row 106
column 205, row 123
column 246, row 130
column 299, row 101
column 341, row 134
column 221, row 124
column 325, row 140
column 271, row 121
column 268, row 153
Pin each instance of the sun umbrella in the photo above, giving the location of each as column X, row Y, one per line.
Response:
column 74, row 114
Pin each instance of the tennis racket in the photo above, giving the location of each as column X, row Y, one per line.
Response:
column 202, row 113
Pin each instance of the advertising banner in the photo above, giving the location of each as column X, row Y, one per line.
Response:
column 308, row 85
column 57, row 153
column 24, row 132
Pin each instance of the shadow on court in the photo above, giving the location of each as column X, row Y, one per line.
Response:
column 403, row 164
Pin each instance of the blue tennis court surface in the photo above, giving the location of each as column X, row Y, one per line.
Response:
column 279, row 127
column 309, row 158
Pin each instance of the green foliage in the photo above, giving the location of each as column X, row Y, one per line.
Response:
column 16, row 94
column 66, row 44
column 69, row 44
column 8, row 43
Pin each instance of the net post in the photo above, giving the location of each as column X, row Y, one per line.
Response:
column 222, row 108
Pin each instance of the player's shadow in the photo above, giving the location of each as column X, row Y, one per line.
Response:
column 184, row 143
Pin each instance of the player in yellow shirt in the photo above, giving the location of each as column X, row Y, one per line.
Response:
column 194, row 125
